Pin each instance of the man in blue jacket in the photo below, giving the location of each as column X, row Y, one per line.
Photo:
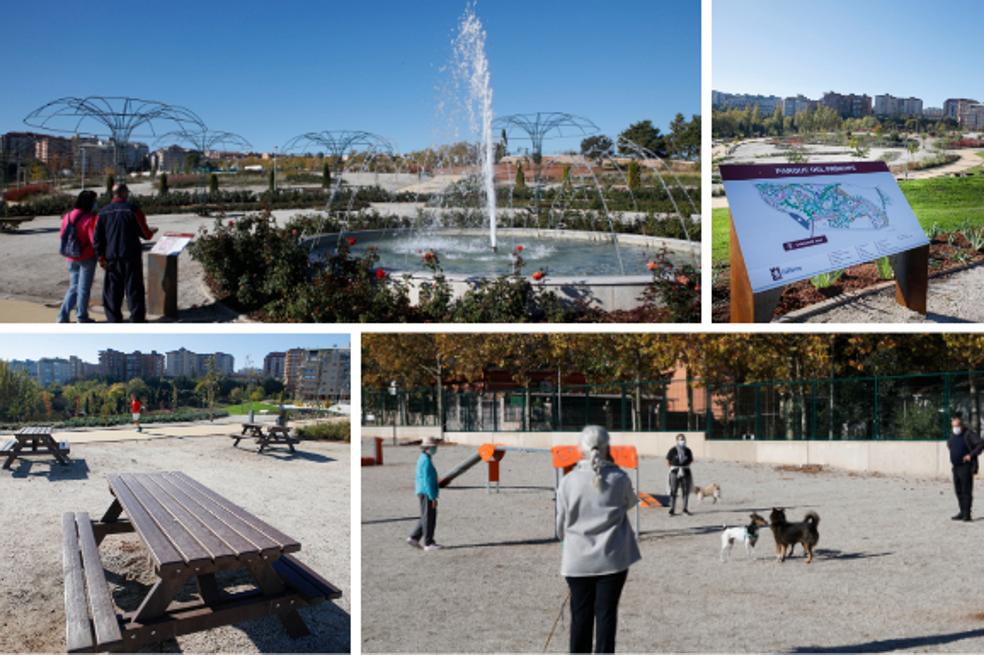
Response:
column 427, row 491
column 117, row 241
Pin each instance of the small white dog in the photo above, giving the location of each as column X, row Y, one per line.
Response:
column 747, row 534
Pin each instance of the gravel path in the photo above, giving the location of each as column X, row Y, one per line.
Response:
column 888, row 574
column 954, row 298
column 306, row 496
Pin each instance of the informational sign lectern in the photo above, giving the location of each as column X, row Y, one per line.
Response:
column 790, row 222
column 162, row 274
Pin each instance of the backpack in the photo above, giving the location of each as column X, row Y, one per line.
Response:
column 70, row 245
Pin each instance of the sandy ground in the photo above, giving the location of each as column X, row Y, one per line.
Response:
column 306, row 496
column 892, row 572
column 954, row 298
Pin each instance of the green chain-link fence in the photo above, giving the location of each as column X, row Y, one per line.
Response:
column 860, row 408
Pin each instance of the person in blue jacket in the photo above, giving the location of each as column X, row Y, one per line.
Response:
column 427, row 491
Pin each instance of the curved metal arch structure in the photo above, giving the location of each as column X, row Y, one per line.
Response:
column 116, row 117
column 205, row 140
column 336, row 143
column 543, row 126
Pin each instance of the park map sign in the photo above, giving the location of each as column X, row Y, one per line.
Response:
column 795, row 221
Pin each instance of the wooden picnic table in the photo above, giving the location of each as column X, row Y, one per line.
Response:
column 190, row 532
column 34, row 441
column 274, row 435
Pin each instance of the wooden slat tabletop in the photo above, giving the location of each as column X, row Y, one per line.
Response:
column 185, row 524
column 33, row 431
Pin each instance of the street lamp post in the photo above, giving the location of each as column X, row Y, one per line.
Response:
column 394, row 391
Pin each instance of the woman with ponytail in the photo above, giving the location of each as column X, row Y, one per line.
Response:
column 599, row 546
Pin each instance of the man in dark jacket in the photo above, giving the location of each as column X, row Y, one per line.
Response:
column 119, row 230
column 679, row 459
column 965, row 446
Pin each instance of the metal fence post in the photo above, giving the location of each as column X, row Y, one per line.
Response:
column 813, row 412
column 947, row 403
column 877, row 421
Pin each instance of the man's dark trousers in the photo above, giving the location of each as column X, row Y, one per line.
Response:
column 124, row 277
column 963, row 485
column 427, row 522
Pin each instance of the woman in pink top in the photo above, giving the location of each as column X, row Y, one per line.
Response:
column 81, row 269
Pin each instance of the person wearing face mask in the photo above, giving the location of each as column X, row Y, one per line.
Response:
column 965, row 446
column 427, row 491
column 599, row 545
column 679, row 459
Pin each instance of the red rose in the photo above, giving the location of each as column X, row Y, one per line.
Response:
column 683, row 279
column 519, row 248
column 232, row 223
column 538, row 275
column 428, row 256
column 651, row 266
column 352, row 241
column 697, row 287
column 380, row 274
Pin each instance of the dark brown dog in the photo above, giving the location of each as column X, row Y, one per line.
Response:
column 787, row 534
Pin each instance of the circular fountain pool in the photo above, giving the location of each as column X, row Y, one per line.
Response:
column 581, row 266
column 467, row 252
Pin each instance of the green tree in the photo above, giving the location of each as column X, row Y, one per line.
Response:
column 272, row 181
column 110, row 183
column 520, row 177
column 213, row 184
column 326, row 175
column 162, row 187
column 645, row 135
column 633, row 176
column 597, row 147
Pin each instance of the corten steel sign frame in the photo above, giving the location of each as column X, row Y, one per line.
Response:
column 115, row 117
column 911, row 267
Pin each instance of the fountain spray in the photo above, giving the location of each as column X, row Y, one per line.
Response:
column 472, row 65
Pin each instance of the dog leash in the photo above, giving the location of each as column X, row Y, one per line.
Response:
column 556, row 621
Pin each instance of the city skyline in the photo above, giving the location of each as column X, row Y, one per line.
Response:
column 779, row 48
column 87, row 347
column 262, row 64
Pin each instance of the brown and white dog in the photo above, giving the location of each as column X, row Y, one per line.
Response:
column 712, row 490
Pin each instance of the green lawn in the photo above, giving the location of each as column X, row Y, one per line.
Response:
column 243, row 408
column 950, row 202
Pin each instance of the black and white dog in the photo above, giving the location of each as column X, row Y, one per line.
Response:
column 747, row 535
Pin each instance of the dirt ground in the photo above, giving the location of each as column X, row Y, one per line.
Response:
column 893, row 572
column 305, row 495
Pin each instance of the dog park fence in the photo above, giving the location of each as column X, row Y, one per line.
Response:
column 874, row 408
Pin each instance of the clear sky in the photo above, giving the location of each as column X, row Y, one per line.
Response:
column 930, row 50
column 272, row 70
column 87, row 346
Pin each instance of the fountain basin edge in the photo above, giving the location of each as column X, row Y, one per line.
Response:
column 605, row 292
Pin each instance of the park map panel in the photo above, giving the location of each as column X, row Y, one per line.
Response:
column 795, row 221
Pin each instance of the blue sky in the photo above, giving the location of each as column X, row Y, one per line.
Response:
column 87, row 347
column 901, row 47
column 271, row 70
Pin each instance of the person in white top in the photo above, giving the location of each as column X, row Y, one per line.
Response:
column 599, row 546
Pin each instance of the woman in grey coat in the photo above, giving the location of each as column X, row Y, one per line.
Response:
column 599, row 546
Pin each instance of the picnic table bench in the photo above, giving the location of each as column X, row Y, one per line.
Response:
column 275, row 434
column 190, row 532
column 11, row 223
column 34, row 441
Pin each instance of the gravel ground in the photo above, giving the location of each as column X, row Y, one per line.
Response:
column 276, row 487
column 879, row 581
column 954, row 298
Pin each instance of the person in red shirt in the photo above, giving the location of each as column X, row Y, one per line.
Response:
column 81, row 269
column 135, row 408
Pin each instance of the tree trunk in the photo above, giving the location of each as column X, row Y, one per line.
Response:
column 440, row 399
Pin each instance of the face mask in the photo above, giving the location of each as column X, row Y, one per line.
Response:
column 432, row 450
column 957, row 430
column 681, row 443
